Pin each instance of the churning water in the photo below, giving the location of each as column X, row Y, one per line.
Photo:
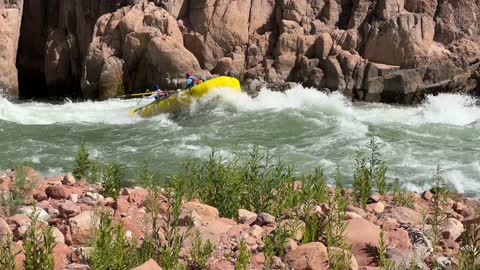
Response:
column 301, row 126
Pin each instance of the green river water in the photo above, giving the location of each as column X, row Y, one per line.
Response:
column 301, row 126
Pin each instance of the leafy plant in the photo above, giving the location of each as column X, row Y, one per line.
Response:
column 200, row 253
column 112, row 179
column 314, row 225
column 335, row 229
column 38, row 246
column 369, row 170
column 82, row 163
column 146, row 176
column 438, row 216
column 95, row 172
column 469, row 254
column 7, row 258
column 243, row 258
column 384, row 262
column 111, row 251
column 400, row 197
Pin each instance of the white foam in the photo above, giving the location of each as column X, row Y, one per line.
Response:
column 36, row 113
column 450, row 109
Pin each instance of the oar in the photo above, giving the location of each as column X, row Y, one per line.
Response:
column 135, row 95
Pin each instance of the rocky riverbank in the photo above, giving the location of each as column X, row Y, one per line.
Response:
column 385, row 50
column 392, row 229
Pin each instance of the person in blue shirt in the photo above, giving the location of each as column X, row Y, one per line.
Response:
column 191, row 80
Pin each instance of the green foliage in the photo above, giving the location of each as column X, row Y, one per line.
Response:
column 112, row 178
column 38, row 246
column 335, row 229
column 95, row 172
column 82, row 163
column 253, row 183
column 314, row 226
column 400, row 197
column 21, row 191
column 315, row 187
column 469, row 254
column 383, row 261
column 335, row 219
column 439, row 216
column 170, row 252
column 7, row 258
column 200, row 253
column 110, row 250
column 369, row 170
column 243, row 258
column 146, row 176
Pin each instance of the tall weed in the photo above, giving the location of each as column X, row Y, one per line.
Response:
column 38, row 246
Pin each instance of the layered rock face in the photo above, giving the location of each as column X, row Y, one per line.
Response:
column 385, row 50
column 10, row 21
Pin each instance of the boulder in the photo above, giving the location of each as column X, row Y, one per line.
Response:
column 57, row 192
column 137, row 47
column 148, row 265
column 377, row 207
column 404, row 215
column 61, row 255
column 452, row 229
column 244, row 215
column 69, row 209
column 397, row 238
column 404, row 257
column 401, row 40
column 207, row 213
column 136, row 195
column 311, row 256
column 30, row 210
column 83, row 227
column 58, row 235
column 264, row 219
column 361, row 234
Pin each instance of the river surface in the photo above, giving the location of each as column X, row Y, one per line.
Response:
column 301, row 126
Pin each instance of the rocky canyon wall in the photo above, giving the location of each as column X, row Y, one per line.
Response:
column 373, row 50
column 10, row 21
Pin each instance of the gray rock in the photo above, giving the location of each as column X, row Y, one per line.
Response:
column 264, row 219
column 444, row 262
column 69, row 179
column 29, row 210
column 403, row 258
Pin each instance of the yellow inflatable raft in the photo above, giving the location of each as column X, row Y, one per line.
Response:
column 177, row 101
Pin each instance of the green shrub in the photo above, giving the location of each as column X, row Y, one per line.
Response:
column 112, row 179
column 369, row 170
column 439, row 216
column 94, row 176
column 200, row 253
column 111, row 251
column 243, row 258
column 400, row 197
column 146, row 176
column 469, row 254
column 38, row 246
column 82, row 163
column 21, row 192
column 7, row 258
column 170, row 252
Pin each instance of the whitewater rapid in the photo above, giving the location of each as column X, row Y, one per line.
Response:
column 302, row 126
